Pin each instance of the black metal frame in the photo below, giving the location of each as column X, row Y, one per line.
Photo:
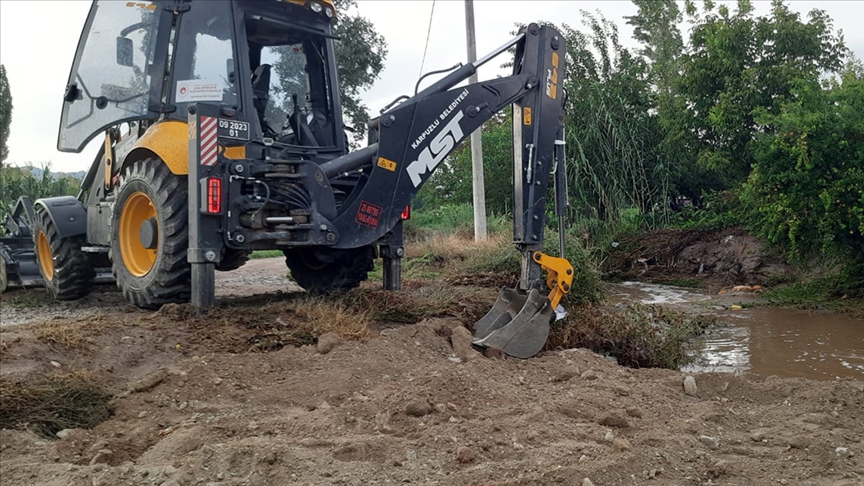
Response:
column 413, row 138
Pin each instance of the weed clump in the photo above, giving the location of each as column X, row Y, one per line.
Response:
column 63, row 401
column 637, row 335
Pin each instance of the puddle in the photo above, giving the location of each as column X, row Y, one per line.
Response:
column 765, row 340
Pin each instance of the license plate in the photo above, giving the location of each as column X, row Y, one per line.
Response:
column 238, row 130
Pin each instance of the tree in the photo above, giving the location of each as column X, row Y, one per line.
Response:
column 360, row 58
column 807, row 183
column 737, row 63
column 612, row 133
column 5, row 114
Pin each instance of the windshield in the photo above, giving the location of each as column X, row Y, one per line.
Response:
column 290, row 85
column 110, row 80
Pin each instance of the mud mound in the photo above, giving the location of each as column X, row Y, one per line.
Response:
column 404, row 407
column 697, row 258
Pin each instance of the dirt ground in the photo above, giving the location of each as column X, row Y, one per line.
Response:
column 204, row 400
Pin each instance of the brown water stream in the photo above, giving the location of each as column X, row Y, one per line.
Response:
column 764, row 340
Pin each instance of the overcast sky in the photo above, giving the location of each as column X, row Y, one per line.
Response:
column 37, row 55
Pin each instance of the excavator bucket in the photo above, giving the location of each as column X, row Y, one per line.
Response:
column 517, row 324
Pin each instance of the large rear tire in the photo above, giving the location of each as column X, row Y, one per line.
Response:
column 327, row 271
column 66, row 270
column 150, row 235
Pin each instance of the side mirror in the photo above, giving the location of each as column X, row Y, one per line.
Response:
column 125, row 48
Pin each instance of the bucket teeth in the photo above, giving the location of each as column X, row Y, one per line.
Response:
column 517, row 324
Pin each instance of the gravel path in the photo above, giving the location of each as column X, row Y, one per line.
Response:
column 22, row 306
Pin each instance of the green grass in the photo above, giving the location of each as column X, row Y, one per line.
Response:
column 826, row 293
column 267, row 254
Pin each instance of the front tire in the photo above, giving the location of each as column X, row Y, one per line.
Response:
column 150, row 235
column 66, row 270
column 327, row 271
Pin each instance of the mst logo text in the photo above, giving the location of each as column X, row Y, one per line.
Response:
column 437, row 149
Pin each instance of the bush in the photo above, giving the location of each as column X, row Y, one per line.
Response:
column 637, row 335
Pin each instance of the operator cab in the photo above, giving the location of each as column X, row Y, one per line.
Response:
column 270, row 63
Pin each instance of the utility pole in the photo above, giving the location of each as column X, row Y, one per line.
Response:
column 476, row 137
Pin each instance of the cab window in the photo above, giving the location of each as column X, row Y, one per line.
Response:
column 204, row 69
column 290, row 83
column 110, row 79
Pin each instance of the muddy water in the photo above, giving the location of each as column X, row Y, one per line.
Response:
column 764, row 340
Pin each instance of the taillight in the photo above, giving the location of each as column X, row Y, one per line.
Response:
column 407, row 213
column 214, row 195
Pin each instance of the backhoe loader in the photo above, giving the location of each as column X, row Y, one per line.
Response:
column 223, row 133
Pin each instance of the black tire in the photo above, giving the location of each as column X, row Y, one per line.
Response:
column 233, row 259
column 66, row 270
column 327, row 271
column 167, row 278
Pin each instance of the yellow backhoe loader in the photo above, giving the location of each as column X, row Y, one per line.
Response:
column 223, row 133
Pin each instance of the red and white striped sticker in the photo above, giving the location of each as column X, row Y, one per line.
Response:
column 209, row 137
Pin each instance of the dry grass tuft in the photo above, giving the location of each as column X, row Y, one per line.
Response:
column 63, row 401
column 68, row 334
column 323, row 316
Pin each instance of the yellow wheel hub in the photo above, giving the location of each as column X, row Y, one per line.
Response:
column 138, row 259
column 43, row 249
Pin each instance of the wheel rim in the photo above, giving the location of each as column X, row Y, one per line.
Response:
column 43, row 249
column 137, row 259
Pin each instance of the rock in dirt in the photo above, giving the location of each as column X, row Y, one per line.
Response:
column 799, row 442
column 465, row 455
column 720, row 468
column 589, row 375
column 635, row 412
column 587, row 482
column 461, row 340
column 104, row 456
column 418, row 408
column 622, row 445
column 690, row 386
column 757, row 436
column 843, row 452
column 613, row 419
column 710, row 442
column 494, row 353
column 147, row 382
column 328, row 341
column 66, row 433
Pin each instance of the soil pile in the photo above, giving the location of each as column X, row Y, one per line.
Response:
column 414, row 404
column 697, row 258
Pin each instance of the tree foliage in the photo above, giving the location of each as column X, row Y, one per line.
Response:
column 360, row 58
column 34, row 183
column 5, row 114
column 738, row 64
column 807, row 185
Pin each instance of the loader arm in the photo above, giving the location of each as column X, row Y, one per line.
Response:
column 417, row 135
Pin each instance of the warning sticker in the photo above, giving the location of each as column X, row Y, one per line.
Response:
column 368, row 214
column 198, row 90
column 387, row 164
